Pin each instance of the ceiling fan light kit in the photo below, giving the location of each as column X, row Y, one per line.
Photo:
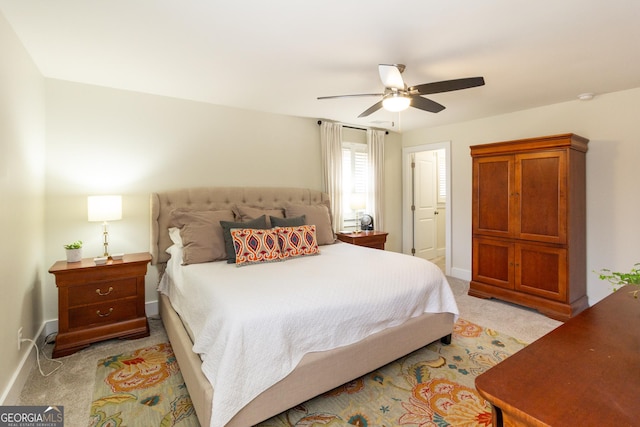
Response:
column 396, row 102
column 398, row 97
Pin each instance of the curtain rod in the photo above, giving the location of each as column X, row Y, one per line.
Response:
column 386, row 132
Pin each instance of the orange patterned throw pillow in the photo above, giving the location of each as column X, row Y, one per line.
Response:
column 255, row 245
column 298, row 241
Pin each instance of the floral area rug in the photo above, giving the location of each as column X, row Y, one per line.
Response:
column 431, row 387
column 143, row 388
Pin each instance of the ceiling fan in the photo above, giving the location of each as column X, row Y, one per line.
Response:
column 397, row 96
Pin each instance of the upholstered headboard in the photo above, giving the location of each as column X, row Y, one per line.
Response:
column 212, row 198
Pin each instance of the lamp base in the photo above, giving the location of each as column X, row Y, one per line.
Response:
column 105, row 243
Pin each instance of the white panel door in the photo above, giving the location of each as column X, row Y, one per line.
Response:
column 426, row 203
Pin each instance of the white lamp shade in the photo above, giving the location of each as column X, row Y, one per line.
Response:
column 358, row 201
column 104, row 208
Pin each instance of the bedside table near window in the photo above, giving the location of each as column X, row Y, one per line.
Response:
column 100, row 302
column 370, row 239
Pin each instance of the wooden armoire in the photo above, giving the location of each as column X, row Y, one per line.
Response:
column 529, row 223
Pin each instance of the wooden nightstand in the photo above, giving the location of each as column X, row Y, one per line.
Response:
column 370, row 239
column 100, row 302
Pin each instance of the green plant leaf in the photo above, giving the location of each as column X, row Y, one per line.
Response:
column 619, row 279
column 75, row 245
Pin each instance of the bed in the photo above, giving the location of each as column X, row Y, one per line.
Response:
column 304, row 373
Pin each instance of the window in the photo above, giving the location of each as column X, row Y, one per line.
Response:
column 355, row 175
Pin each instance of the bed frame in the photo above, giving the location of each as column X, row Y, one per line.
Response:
column 317, row 372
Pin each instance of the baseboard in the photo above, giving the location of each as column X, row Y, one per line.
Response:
column 151, row 308
column 17, row 381
column 461, row 273
column 28, row 361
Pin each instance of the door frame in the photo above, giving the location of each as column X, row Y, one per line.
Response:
column 407, row 229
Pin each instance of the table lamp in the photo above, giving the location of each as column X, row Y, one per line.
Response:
column 358, row 203
column 104, row 208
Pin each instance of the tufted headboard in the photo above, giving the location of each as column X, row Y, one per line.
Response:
column 212, row 198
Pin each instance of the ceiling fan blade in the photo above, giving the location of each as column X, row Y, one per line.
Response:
column 391, row 75
column 446, row 86
column 350, row 96
column 375, row 107
column 426, row 104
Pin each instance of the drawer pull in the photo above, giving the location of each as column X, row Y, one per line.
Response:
column 105, row 314
column 99, row 292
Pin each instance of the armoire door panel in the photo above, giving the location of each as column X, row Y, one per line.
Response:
column 493, row 262
column 493, row 205
column 541, row 184
column 542, row 271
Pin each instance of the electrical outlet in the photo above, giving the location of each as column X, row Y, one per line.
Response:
column 19, row 337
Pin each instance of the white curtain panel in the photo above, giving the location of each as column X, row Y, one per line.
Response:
column 375, row 202
column 331, row 145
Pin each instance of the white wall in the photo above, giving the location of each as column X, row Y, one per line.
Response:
column 610, row 122
column 22, row 151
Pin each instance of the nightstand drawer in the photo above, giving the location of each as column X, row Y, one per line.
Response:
column 110, row 312
column 100, row 292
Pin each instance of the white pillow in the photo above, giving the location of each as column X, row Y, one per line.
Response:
column 176, row 252
column 174, row 235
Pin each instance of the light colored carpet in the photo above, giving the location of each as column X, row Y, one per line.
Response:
column 519, row 322
column 72, row 385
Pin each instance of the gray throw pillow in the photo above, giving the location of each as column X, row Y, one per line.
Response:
column 260, row 223
column 287, row 222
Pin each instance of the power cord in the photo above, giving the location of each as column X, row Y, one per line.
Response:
column 35, row 345
column 48, row 340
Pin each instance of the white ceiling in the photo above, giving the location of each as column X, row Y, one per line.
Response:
column 279, row 55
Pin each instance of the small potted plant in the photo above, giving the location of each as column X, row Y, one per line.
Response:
column 74, row 251
column 619, row 279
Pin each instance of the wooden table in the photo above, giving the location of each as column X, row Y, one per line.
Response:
column 584, row 373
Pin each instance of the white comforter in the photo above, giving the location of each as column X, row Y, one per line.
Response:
column 252, row 325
